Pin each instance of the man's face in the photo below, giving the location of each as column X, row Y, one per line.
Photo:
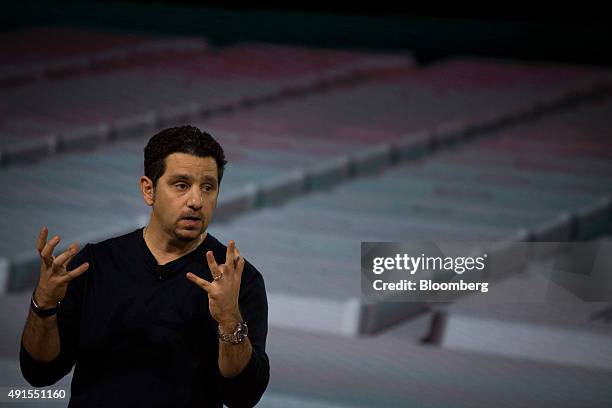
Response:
column 186, row 195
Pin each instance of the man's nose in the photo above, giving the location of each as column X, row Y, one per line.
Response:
column 195, row 198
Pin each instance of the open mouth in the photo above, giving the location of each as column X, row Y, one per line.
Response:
column 191, row 220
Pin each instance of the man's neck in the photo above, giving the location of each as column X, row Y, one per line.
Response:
column 164, row 248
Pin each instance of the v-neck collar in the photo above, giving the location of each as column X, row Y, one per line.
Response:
column 151, row 262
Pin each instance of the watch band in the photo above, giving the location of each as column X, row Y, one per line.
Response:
column 238, row 336
column 42, row 312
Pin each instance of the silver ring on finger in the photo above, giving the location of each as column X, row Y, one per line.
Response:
column 218, row 276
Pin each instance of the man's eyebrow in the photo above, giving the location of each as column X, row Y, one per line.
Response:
column 176, row 177
column 186, row 177
column 210, row 179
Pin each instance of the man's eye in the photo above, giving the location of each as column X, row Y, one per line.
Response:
column 208, row 188
column 181, row 186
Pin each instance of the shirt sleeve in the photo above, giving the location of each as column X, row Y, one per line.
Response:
column 246, row 389
column 40, row 374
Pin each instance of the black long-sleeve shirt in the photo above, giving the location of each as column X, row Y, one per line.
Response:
column 141, row 335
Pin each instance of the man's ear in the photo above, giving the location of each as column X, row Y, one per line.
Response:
column 147, row 189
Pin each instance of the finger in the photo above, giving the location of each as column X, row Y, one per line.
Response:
column 79, row 270
column 212, row 264
column 240, row 267
column 229, row 253
column 237, row 257
column 66, row 256
column 42, row 239
column 203, row 283
column 47, row 251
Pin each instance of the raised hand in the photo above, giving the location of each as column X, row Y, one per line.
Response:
column 54, row 276
column 223, row 291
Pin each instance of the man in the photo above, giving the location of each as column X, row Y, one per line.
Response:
column 165, row 316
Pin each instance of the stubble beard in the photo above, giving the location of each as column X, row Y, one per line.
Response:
column 182, row 237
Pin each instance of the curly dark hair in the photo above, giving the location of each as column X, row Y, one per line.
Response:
column 181, row 139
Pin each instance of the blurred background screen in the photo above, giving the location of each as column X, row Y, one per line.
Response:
column 342, row 124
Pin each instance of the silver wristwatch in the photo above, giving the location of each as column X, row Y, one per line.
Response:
column 238, row 336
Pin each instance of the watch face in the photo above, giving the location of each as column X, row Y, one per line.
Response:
column 239, row 334
column 241, row 330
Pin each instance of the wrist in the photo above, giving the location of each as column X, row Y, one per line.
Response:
column 237, row 335
column 43, row 312
column 42, row 301
column 228, row 323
